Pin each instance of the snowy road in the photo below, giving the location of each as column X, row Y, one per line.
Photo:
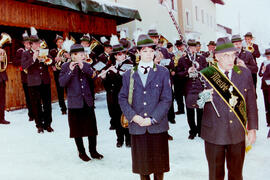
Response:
column 27, row 155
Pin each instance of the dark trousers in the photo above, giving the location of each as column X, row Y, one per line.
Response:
column 179, row 94
column 2, row 100
column 121, row 133
column 109, row 98
column 159, row 176
column 92, row 140
column 234, row 154
column 27, row 100
column 254, row 77
column 40, row 97
column 194, row 129
column 266, row 105
column 60, row 92
column 171, row 115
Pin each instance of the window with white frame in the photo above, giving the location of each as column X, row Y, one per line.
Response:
column 188, row 18
column 202, row 16
column 197, row 13
column 207, row 19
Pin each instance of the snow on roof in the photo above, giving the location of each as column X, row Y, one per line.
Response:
column 112, row 4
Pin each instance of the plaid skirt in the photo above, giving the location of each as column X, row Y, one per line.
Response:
column 150, row 153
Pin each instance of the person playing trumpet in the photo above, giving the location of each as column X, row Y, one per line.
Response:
column 17, row 61
column 254, row 49
column 39, row 84
column 75, row 76
column 60, row 91
column 90, row 58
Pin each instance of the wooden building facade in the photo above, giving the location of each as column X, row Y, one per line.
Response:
column 17, row 16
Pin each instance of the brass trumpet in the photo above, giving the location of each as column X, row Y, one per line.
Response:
column 43, row 54
column 5, row 38
column 250, row 48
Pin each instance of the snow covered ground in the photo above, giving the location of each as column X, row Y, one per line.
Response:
column 27, row 155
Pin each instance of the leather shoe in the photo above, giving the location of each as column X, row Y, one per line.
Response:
column 84, row 157
column 119, row 144
column 191, row 137
column 112, row 128
column 40, row 130
column 179, row 112
column 96, row 155
column 49, row 129
column 172, row 121
column 128, row 144
column 4, row 122
column 170, row 138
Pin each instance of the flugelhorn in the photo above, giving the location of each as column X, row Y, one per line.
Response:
column 43, row 54
column 5, row 38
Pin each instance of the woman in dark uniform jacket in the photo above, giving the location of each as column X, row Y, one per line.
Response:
column 265, row 74
column 75, row 77
column 112, row 82
column 147, row 116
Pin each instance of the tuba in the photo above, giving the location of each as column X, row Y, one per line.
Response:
column 5, row 38
column 65, row 49
column 94, row 43
column 59, row 64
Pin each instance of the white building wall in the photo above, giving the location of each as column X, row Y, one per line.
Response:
column 153, row 15
column 202, row 26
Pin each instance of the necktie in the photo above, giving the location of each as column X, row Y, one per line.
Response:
column 227, row 74
column 145, row 69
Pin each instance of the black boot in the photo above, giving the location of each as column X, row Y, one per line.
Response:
column 158, row 176
column 92, row 147
column 119, row 144
column 145, row 177
column 84, row 156
column 80, row 147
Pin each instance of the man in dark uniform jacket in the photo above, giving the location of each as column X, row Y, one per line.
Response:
column 179, row 81
column 192, row 86
column 244, row 55
column 17, row 62
column 224, row 135
column 3, row 79
column 255, row 52
column 105, row 58
column 60, row 90
column 38, row 79
column 198, row 48
column 90, row 58
column 210, row 54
